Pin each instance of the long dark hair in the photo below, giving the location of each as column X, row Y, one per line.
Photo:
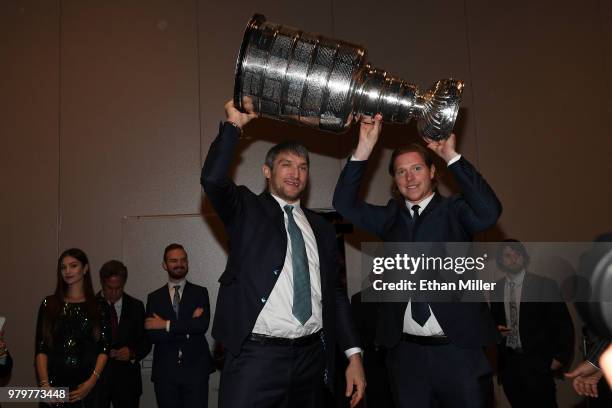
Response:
column 56, row 301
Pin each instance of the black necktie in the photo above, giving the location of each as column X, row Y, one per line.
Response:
column 420, row 310
column 415, row 212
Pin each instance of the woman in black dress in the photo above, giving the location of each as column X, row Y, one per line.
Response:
column 72, row 332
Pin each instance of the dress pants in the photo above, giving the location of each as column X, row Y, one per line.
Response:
column 179, row 392
column 273, row 376
column 528, row 381
column 440, row 376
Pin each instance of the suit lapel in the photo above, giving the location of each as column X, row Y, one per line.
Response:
column 125, row 306
column 524, row 295
column 166, row 303
column 435, row 201
column 274, row 211
column 185, row 300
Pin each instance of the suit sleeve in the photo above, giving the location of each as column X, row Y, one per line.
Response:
column 596, row 352
column 346, row 334
column 157, row 336
column 197, row 325
column 142, row 345
column 365, row 216
column 219, row 187
column 477, row 208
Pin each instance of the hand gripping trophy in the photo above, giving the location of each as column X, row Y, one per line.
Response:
column 323, row 83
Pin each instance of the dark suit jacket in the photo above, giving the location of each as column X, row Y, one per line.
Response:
column 258, row 245
column 125, row 375
column 545, row 328
column 452, row 219
column 5, row 369
column 186, row 333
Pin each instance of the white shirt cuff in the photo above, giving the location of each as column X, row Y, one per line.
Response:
column 354, row 159
column 593, row 364
column 168, row 326
column 454, row 159
column 351, row 351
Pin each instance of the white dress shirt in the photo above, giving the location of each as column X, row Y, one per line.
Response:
column 171, row 285
column 276, row 318
column 431, row 326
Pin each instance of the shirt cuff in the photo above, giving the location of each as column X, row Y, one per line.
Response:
column 353, row 158
column 593, row 364
column 453, row 160
column 168, row 326
column 351, row 351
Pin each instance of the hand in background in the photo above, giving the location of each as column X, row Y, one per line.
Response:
column 585, row 379
column 155, row 323
column 198, row 312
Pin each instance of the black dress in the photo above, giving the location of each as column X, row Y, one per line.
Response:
column 73, row 348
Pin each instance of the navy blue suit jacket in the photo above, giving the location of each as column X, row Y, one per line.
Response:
column 258, row 246
column 186, row 333
column 445, row 219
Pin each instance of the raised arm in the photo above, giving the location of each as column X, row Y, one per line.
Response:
column 346, row 201
column 219, row 187
column 477, row 207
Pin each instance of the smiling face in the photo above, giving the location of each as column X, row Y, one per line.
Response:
column 288, row 176
column 413, row 177
column 73, row 271
column 176, row 263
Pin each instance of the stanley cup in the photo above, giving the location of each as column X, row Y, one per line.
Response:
column 305, row 78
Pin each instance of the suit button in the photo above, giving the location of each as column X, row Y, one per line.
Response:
column 263, row 300
column 187, row 336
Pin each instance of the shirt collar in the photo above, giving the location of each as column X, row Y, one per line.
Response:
column 517, row 279
column 422, row 204
column 283, row 203
column 118, row 303
column 181, row 283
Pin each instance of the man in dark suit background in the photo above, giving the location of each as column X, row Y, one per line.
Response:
column 435, row 349
column 537, row 330
column 178, row 317
column 281, row 306
column 121, row 382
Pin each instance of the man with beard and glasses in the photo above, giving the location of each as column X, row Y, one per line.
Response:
column 537, row 330
column 178, row 317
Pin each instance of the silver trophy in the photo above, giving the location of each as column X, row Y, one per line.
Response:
column 315, row 81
